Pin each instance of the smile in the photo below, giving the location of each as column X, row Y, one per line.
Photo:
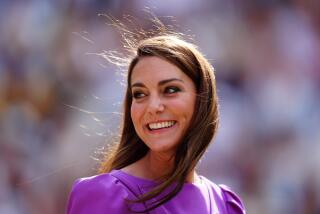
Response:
column 161, row 125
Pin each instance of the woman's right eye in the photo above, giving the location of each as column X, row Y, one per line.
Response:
column 138, row 95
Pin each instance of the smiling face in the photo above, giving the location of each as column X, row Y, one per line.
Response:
column 163, row 103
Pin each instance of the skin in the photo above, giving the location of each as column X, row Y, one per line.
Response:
column 161, row 92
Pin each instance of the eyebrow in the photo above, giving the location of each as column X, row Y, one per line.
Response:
column 162, row 82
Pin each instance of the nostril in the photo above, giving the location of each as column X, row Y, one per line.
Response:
column 156, row 107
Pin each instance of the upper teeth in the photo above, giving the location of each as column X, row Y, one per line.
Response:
column 160, row 125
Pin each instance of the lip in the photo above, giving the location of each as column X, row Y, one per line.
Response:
column 163, row 130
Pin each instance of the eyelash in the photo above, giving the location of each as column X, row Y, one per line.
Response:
column 137, row 95
column 173, row 88
column 168, row 90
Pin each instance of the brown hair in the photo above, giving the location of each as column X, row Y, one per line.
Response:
column 203, row 125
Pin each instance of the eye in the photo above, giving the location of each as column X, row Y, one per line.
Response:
column 171, row 90
column 138, row 95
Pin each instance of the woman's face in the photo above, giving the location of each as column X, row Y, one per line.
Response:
column 163, row 103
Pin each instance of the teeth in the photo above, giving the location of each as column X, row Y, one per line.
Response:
column 161, row 125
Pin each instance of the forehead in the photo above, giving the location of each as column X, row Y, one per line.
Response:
column 152, row 68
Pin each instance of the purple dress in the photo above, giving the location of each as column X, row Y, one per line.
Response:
column 106, row 193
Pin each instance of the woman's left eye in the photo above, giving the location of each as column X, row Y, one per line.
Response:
column 171, row 90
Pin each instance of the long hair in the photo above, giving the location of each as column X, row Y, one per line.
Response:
column 201, row 130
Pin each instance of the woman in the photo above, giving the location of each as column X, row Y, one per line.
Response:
column 170, row 117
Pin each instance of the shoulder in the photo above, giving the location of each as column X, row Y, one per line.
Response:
column 97, row 193
column 232, row 201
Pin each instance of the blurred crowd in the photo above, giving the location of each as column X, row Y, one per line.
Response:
column 60, row 103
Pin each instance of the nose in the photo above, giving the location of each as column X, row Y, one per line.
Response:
column 155, row 105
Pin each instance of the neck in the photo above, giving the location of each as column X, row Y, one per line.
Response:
column 155, row 166
column 158, row 165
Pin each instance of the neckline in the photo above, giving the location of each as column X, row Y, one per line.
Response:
column 144, row 181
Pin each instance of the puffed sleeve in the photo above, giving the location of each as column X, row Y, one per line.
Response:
column 233, row 202
column 97, row 194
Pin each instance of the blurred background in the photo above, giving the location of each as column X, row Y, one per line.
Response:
column 60, row 103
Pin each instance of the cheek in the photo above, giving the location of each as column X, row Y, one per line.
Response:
column 192, row 108
column 192, row 103
column 184, row 108
column 136, row 113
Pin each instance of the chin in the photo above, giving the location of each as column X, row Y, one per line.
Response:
column 169, row 148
